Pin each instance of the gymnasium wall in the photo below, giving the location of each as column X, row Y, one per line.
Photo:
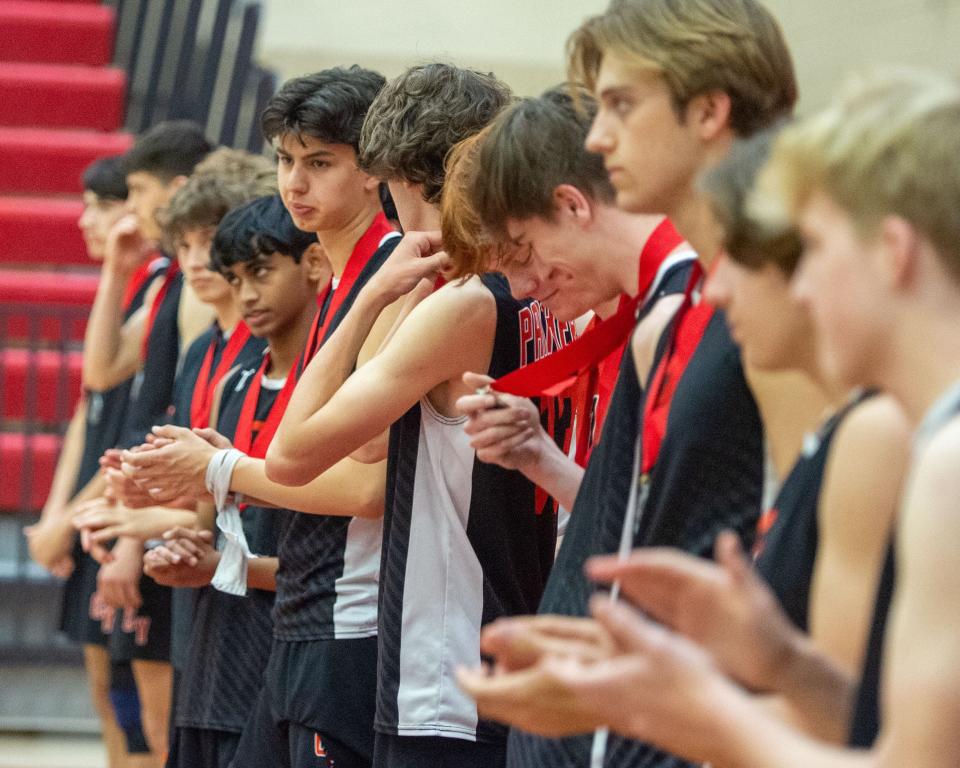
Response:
column 522, row 40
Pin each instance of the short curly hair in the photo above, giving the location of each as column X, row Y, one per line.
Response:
column 225, row 179
column 418, row 117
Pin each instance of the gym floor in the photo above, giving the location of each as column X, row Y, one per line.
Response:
column 49, row 750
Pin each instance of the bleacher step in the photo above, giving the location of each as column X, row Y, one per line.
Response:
column 41, row 230
column 55, row 32
column 40, row 160
column 61, row 95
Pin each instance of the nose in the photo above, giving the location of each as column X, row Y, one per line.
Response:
column 599, row 140
column 84, row 221
column 717, row 290
column 247, row 293
column 800, row 283
column 295, row 179
column 523, row 283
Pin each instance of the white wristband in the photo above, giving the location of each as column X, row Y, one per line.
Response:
column 231, row 573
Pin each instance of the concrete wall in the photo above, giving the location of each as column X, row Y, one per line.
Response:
column 522, row 40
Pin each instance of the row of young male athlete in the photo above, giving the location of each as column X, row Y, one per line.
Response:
column 368, row 506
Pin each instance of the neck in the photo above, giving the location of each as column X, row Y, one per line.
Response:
column 287, row 344
column 625, row 236
column 694, row 219
column 338, row 244
column 426, row 218
column 227, row 315
column 924, row 363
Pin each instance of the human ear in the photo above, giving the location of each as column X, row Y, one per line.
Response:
column 316, row 263
column 900, row 246
column 569, row 200
column 709, row 113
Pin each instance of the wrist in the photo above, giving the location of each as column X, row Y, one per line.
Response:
column 374, row 299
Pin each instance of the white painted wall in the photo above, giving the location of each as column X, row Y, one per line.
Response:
column 523, row 40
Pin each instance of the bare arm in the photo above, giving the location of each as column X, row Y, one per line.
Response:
column 68, row 464
column 111, row 347
column 361, row 334
column 347, row 488
column 921, row 687
column 427, row 350
column 193, row 316
column 861, row 491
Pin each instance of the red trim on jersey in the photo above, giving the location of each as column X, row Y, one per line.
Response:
column 558, row 371
column 205, row 386
column 362, row 252
column 172, row 271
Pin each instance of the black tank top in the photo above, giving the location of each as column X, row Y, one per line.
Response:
column 107, row 410
column 708, row 478
column 184, row 598
column 465, row 542
column 326, row 583
column 787, row 538
column 152, row 390
column 231, row 635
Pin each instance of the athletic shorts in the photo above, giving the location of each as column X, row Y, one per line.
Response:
column 202, row 748
column 82, row 614
column 269, row 741
column 144, row 634
column 436, row 752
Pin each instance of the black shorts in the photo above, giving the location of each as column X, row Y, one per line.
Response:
column 436, row 752
column 327, row 686
column 144, row 634
column 202, row 748
column 270, row 741
column 81, row 616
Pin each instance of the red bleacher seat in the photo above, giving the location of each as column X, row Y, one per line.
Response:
column 41, row 230
column 49, row 377
column 61, row 96
column 47, row 306
column 40, row 160
column 28, row 465
column 52, row 32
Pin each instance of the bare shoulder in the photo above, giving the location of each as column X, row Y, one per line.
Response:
column 462, row 303
column 876, row 428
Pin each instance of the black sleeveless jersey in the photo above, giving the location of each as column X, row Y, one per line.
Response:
column 152, row 390
column 231, row 634
column 183, row 599
column 708, row 478
column 106, row 411
column 865, row 725
column 464, row 543
column 327, row 580
column 787, row 538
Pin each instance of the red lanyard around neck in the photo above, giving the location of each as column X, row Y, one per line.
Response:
column 555, row 373
column 205, row 386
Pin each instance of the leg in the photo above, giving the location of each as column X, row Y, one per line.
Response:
column 96, row 660
column 154, row 683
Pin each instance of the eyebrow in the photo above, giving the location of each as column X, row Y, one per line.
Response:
column 615, row 90
column 256, row 262
column 311, row 156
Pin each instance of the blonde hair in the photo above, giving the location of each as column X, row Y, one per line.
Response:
column 697, row 46
column 889, row 146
